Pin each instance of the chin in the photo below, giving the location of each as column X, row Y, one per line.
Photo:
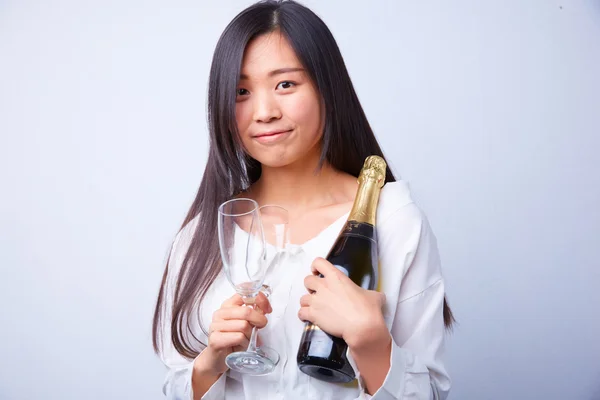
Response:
column 283, row 158
column 274, row 163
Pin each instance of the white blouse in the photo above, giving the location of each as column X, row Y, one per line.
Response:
column 410, row 277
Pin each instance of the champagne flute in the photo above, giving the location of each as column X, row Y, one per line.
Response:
column 243, row 251
column 275, row 221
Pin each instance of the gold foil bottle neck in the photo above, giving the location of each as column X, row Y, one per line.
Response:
column 374, row 168
column 370, row 182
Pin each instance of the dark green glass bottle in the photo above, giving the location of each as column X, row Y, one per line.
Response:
column 354, row 252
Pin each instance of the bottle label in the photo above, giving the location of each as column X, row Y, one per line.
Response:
column 341, row 269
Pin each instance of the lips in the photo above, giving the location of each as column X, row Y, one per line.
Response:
column 270, row 133
column 271, row 136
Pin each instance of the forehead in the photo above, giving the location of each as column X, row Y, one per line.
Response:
column 267, row 53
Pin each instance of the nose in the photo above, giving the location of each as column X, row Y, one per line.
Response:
column 266, row 108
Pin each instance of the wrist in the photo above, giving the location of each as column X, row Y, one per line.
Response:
column 371, row 350
column 369, row 336
column 205, row 365
column 204, row 375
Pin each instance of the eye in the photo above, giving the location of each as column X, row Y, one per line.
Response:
column 286, row 84
column 242, row 92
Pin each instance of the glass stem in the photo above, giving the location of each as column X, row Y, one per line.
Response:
column 249, row 300
column 252, row 344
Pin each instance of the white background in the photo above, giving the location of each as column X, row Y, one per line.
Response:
column 490, row 109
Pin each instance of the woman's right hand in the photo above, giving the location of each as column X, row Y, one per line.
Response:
column 230, row 331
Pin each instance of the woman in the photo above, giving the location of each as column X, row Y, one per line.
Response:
column 286, row 128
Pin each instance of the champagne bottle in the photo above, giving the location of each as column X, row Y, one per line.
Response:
column 354, row 252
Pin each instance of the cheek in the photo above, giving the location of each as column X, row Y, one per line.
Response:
column 305, row 112
column 243, row 119
column 242, row 115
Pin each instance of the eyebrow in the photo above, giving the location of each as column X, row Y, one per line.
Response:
column 278, row 71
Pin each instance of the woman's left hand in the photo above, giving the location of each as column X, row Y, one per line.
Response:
column 341, row 308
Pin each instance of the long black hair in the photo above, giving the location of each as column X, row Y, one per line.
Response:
column 347, row 140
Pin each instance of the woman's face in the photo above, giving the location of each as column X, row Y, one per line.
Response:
column 278, row 110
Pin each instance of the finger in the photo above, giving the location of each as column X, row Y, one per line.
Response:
column 324, row 267
column 313, row 283
column 306, row 300
column 263, row 303
column 234, row 301
column 225, row 340
column 305, row 314
column 261, row 300
column 240, row 348
column 235, row 325
column 245, row 313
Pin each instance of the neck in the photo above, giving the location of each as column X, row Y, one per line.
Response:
column 300, row 186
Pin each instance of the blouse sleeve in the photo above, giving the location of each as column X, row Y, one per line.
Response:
column 178, row 380
column 409, row 257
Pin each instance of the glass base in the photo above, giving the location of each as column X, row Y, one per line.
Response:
column 261, row 362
